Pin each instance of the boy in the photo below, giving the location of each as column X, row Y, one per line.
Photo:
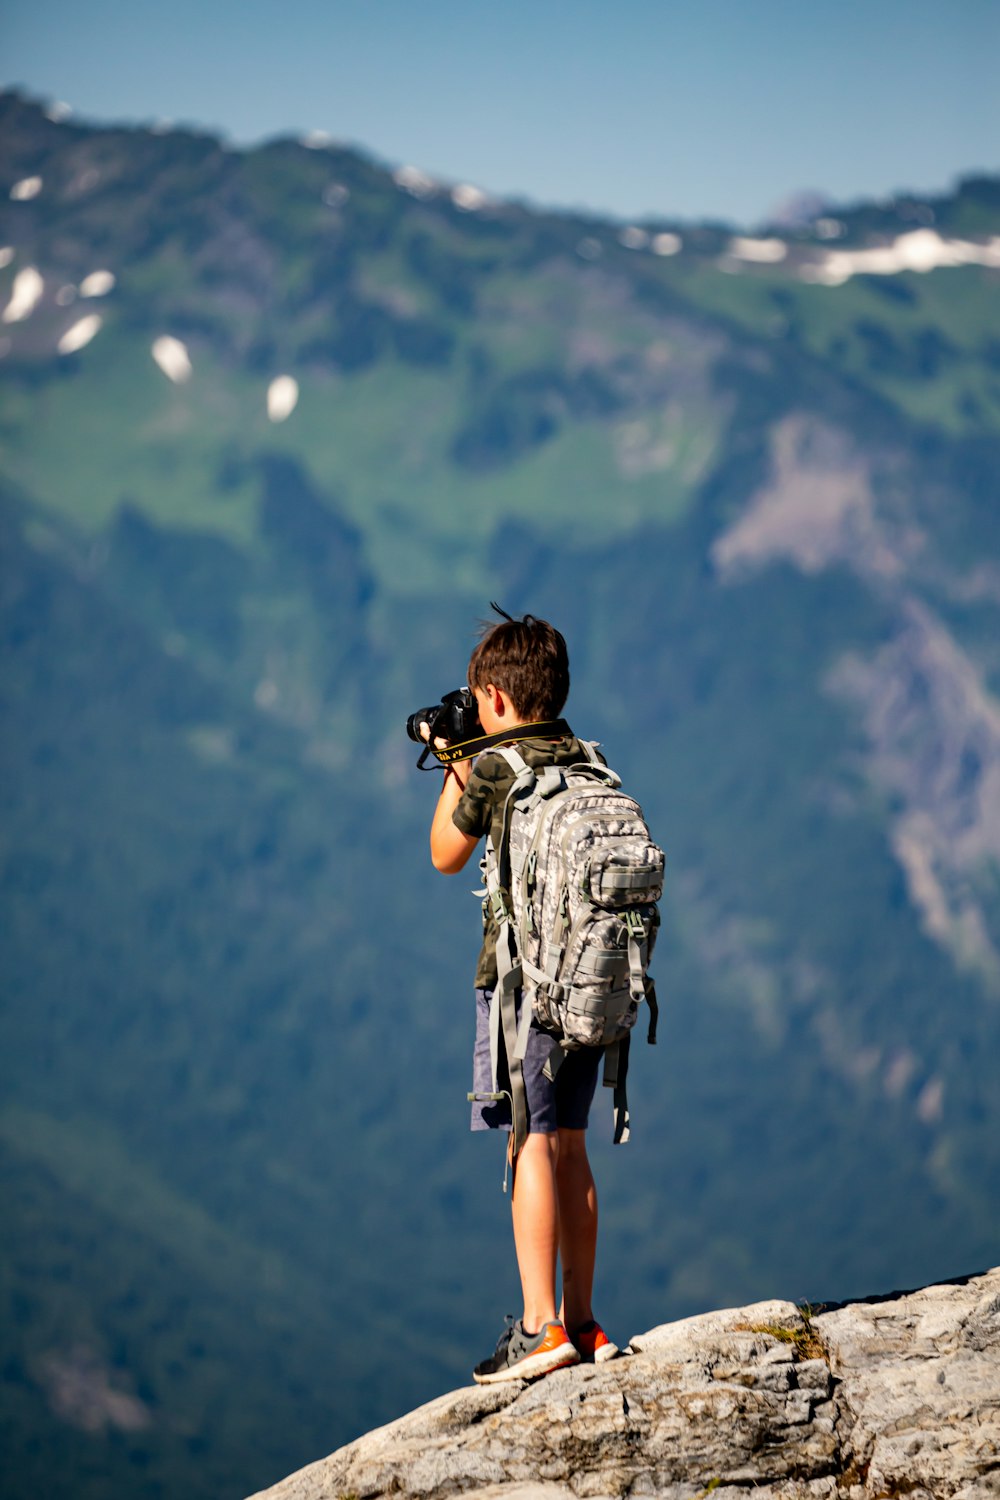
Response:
column 519, row 674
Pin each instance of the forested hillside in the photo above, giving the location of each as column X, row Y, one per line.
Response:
column 276, row 426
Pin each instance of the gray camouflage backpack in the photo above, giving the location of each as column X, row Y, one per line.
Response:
column 574, row 887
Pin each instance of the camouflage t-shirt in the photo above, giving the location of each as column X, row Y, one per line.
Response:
column 480, row 811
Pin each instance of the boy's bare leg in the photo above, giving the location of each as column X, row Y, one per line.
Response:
column 535, row 1209
column 577, row 1227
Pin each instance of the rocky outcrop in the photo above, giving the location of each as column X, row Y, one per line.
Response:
column 934, row 735
column 815, row 510
column 896, row 1396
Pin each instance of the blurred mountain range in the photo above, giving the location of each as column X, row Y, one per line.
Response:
column 276, row 425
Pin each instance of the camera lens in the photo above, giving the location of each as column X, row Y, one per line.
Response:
column 422, row 716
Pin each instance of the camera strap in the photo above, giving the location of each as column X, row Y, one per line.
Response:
column 544, row 729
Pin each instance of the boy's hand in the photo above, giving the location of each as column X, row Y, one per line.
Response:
column 425, row 732
column 450, row 847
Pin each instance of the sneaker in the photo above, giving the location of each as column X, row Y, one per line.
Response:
column 523, row 1356
column 593, row 1344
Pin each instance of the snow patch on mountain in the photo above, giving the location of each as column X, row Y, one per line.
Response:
column 173, row 359
column 634, row 238
column 282, row 397
column 767, row 251
column 80, row 334
column 27, row 188
column 468, row 198
column 25, row 295
column 920, row 250
column 413, row 181
column 97, row 284
column 666, row 243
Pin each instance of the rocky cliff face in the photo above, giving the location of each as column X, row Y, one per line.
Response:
column 897, row 1396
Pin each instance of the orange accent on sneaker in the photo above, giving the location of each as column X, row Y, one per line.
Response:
column 556, row 1337
column 594, row 1344
column 553, row 1351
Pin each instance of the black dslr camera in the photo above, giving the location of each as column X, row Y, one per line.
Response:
column 455, row 719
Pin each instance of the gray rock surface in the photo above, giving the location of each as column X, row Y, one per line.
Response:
column 872, row 1400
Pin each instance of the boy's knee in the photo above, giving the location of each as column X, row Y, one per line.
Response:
column 572, row 1144
column 542, row 1143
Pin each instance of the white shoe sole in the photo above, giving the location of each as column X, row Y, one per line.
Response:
column 542, row 1363
column 606, row 1352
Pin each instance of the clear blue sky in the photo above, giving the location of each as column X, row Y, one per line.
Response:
column 684, row 107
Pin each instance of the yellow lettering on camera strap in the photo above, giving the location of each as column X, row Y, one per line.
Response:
column 547, row 729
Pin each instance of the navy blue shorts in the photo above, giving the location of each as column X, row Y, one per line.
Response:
column 562, row 1105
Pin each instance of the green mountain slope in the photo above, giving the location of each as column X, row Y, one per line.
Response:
column 247, row 1221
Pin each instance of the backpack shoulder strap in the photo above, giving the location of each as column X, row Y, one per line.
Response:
column 505, row 1033
column 513, row 757
column 523, row 776
column 598, row 763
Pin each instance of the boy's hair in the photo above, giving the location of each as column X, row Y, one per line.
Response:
column 527, row 660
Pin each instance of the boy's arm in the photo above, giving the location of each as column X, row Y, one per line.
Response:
column 450, row 847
